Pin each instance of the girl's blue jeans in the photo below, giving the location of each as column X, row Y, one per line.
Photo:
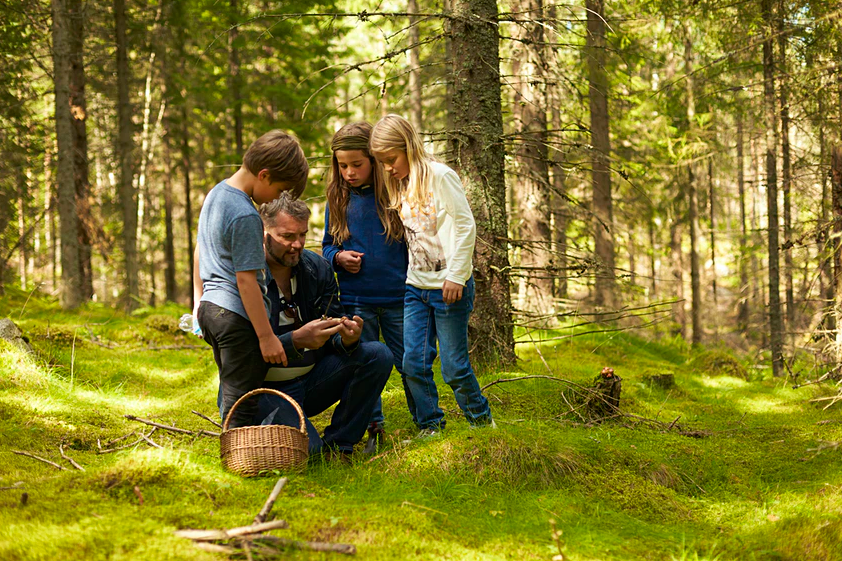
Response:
column 428, row 319
column 386, row 321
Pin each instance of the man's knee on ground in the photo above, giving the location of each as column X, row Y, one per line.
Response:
column 379, row 356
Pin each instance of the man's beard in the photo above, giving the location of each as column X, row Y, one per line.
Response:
column 285, row 259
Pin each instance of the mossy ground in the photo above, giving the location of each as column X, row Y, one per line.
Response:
column 753, row 488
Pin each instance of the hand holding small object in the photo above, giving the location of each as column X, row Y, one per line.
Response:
column 314, row 334
column 352, row 329
column 349, row 260
column 451, row 292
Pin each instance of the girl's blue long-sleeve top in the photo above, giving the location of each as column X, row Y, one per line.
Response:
column 381, row 280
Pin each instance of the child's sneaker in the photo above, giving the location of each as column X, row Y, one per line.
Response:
column 485, row 425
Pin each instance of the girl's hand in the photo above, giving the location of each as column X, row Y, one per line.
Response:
column 351, row 261
column 451, row 292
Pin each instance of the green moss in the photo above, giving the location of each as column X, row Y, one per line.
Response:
column 718, row 363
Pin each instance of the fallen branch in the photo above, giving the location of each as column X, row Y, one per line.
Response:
column 213, row 535
column 118, row 439
column 143, row 437
column 171, row 428
column 346, row 548
column 270, row 502
column 68, row 458
column 532, row 376
column 39, row 458
column 208, row 419
column 17, row 485
column 150, row 441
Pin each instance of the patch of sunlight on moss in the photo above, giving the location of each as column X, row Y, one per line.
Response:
column 166, row 375
column 762, row 404
column 20, row 368
column 724, row 382
column 51, row 404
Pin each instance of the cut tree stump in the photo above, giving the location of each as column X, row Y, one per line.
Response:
column 663, row 381
column 604, row 400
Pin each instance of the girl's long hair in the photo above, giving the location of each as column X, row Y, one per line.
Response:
column 355, row 136
column 393, row 132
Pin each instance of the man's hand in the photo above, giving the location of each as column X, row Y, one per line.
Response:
column 351, row 261
column 315, row 334
column 273, row 350
column 351, row 330
column 451, row 292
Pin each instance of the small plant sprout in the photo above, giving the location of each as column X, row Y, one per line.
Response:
column 556, row 535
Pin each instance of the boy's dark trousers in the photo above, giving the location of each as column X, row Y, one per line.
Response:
column 236, row 350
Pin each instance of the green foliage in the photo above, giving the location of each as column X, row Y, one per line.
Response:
column 718, row 363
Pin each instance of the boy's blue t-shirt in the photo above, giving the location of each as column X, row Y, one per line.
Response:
column 230, row 240
column 381, row 280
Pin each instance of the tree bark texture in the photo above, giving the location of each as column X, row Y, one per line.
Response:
column 125, row 151
column 601, row 146
column 693, row 197
column 79, row 111
column 234, row 85
column 786, row 171
column 71, row 276
column 478, row 150
column 532, row 181
column 836, row 204
column 415, row 105
column 823, row 240
column 770, row 103
column 560, row 207
column 743, row 302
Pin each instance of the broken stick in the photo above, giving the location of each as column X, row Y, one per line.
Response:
column 208, row 419
column 68, row 458
column 270, row 502
column 212, row 535
column 170, row 428
column 39, row 458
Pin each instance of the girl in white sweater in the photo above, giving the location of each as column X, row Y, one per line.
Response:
column 440, row 234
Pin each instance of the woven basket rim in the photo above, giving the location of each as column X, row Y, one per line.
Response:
column 302, row 427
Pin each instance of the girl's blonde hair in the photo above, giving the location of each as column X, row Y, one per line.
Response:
column 355, row 136
column 393, row 132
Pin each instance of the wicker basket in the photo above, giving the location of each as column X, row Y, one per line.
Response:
column 248, row 451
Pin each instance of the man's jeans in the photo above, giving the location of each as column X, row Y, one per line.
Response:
column 387, row 321
column 427, row 318
column 354, row 380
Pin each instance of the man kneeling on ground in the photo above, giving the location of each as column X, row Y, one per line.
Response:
column 327, row 363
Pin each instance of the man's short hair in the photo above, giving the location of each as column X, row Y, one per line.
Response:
column 280, row 154
column 285, row 204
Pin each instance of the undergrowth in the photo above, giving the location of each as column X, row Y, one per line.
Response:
column 724, row 465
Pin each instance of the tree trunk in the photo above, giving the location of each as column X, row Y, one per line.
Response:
column 559, row 203
column 823, row 240
column 169, row 246
column 786, row 171
column 693, row 197
column 80, row 145
column 836, row 194
column 712, row 208
column 679, row 317
column 416, row 107
column 600, row 140
column 533, row 174
column 125, row 150
column 653, row 272
column 770, row 102
column 478, row 150
column 234, row 87
column 743, row 306
column 72, row 294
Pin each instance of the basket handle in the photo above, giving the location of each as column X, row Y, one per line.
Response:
column 302, row 428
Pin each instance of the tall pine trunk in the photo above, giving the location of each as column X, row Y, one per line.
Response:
column 786, row 171
column 598, row 99
column 693, row 198
column 80, row 145
column 234, row 86
column 836, row 197
column 533, row 177
column 125, row 150
column 477, row 146
column 770, row 103
column 72, row 293
column 823, row 238
column 743, row 306
column 416, row 107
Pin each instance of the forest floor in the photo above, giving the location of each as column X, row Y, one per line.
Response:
column 744, row 473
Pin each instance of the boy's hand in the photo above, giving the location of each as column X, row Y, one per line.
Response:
column 315, row 334
column 451, row 292
column 351, row 330
column 351, row 261
column 273, row 350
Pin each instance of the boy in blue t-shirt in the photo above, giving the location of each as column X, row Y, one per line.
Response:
column 229, row 283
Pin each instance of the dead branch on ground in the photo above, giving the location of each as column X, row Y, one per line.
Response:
column 200, row 432
column 39, row 458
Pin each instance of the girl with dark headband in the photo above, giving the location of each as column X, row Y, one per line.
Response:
column 364, row 242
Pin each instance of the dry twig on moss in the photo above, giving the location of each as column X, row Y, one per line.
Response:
column 68, row 458
column 270, row 502
column 170, row 428
column 39, row 458
column 208, row 419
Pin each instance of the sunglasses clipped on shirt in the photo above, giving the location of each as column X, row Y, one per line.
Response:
column 291, row 311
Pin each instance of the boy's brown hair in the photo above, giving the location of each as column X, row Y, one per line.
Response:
column 280, row 154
